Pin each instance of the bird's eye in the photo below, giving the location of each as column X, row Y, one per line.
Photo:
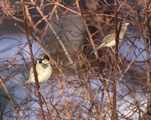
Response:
column 40, row 60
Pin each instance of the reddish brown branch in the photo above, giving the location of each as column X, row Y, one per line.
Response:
column 32, row 58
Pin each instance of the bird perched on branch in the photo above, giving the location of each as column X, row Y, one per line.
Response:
column 43, row 68
column 109, row 39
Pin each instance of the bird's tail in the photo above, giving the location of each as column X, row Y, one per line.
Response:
column 25, row 83
column 95, row 50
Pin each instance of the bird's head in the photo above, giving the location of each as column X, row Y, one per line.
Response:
column 123, row 25
column 43, row 58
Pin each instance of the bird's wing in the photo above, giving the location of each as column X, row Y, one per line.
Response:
column 31, row 77
column 108, row 38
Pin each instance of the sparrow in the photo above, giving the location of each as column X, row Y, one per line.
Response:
column 43, row 68
column 109, row 39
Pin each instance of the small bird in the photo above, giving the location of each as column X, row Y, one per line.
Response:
column 43, row 68
column 109, row 39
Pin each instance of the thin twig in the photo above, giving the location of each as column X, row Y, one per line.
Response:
column 115, row 63
column 32, row 58
column 147, row 42
column 10, row 98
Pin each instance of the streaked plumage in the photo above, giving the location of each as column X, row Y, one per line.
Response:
column 109, row 39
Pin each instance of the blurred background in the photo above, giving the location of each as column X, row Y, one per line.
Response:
column 83, row 86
